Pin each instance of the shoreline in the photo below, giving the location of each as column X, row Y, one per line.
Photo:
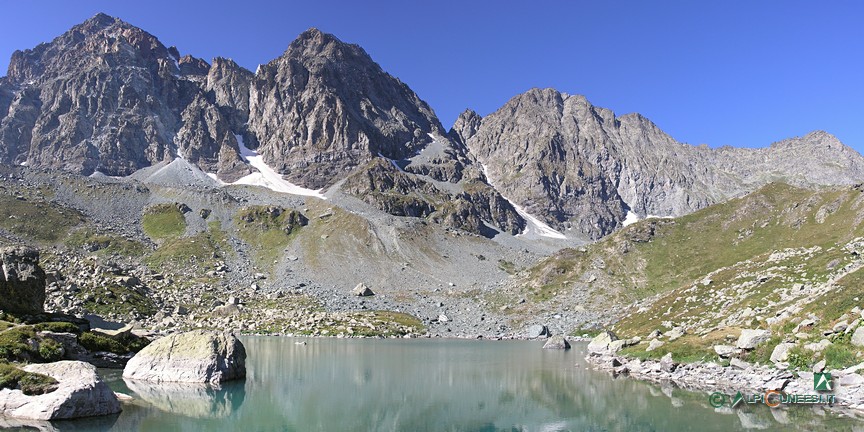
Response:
column 739, row 376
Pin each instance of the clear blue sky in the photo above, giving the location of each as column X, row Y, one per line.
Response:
column 743, row 73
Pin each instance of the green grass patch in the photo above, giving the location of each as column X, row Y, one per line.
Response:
column 22, row 344
column 268, row 230
column 36, row 220
column 199, row 252
column 163, row 221
column 104, row 244
column 57, row 327
column 840, row 356
column 11, row 377
column 120, row 345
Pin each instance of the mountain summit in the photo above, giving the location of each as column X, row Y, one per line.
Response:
column 325, row 107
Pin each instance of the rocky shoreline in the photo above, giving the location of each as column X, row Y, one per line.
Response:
column 710, row 377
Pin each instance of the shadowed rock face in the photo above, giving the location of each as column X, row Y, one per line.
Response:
column 107, row 96
column 579, row 166
column 22, row 281
column 324, row 107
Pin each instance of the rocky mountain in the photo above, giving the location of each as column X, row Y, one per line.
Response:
column 324, row 107
column 107, row 96
column 580, row 167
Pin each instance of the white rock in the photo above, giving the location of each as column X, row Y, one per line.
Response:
column 750, row 339
column 654, row 344
column 858, row 337
column 781, row 352
column 80, row 393
column 198, row 356
column 724, row 350
column 601, row 342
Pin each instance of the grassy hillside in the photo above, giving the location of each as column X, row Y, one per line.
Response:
column 768, row 260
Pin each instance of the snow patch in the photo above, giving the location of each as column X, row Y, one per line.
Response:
column 393, row 162
column 631, row 218
column 535, row 225
column 266, row 176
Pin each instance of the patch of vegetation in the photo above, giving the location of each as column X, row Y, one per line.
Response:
column 840, row 356
column 163, row 221
column 11, row 377
column 800, row 358
column 22, row 344
column 762, row 353
column 507, row 266
column 37, row 220
column 116, row 299
column 199, row 252
column 120, row 345
column 104, row 244
column 268, row 230
column 57, row 327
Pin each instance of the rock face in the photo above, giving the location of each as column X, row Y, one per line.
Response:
column 22, row 281
column 107, row 96
column 195, row 357
column 324, row 107
column 80, row 393
column 575, row 165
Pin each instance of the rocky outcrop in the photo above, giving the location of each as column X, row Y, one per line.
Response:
column 107, row 96
column 22, row 281
column 196, row 357
column 325, row 107
column 579, row 166
column 80, row 393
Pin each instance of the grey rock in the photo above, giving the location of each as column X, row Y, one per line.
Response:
column 557, row 342
column 667, row 364
column 858, row 337
column 361, row 290
column 197, row 357
column 536, row 331
column 22, row 280
column 819, row 366
column 750, row 338
column 675, row 333
column 725, row 351
column 781, row 352
column 654, row 344
column 600, row 343
column 80, row 393
column 737, row 363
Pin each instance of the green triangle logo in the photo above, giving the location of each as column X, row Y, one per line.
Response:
column 738, row 398
column 822, row 381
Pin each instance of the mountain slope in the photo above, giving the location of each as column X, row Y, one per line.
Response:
column 579, row 167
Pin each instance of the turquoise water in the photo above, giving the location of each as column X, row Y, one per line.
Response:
column 431, row 385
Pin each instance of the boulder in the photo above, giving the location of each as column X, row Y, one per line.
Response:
column 818, row 347
column 80, row 393
column 600, row 343
column 675, row 333
column 557, row 342
column 654, row 344
column 22, row 281
column 536, row 331
column 724, row 351
column 781, row 352
column 361, row 290
column 737, row 363
column 197, row 356
column 667, row 364
column 750, row 339
column 858, row 337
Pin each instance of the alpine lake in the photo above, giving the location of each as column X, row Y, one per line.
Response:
column 431, row 385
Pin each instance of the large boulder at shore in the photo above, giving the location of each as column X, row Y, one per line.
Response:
column 197, row 356
column 600, row 343
column 22, row 281
column 557, row 342
column 80, row 393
